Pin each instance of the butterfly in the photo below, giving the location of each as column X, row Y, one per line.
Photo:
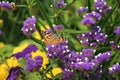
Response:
column 50, row 38
column 13, row 6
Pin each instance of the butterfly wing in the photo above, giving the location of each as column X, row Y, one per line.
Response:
column 47, row 37
column 57, row 40
column 50, row 38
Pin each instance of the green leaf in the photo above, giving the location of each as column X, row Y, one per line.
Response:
column 33, row 76
column 73, row 31
column 22, row 62
column 6, row 51
column 57, row 77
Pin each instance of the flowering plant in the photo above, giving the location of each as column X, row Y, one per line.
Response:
column 59, row 40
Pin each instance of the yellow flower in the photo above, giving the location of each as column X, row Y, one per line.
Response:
column 37, row 53
column 43, row 54
column 3, row 71
column 2, row 44
column 37, row 36
column 55, row 71
column 20, row 48
column 5, row 67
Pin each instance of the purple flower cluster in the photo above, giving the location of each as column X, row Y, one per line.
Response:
column 101, row 6
column 88, row 64
column 94, row 15
column 13, row 73
column 31, row 64
column 114, row 46
column 101, row 57
column 59, row 4
column 29, row 26
column 93, row 38
column 82, row 9
column 117, row 31
column 75, row 57
column 88, row 52
column 35, row 64
column 58, row 50
column 115, row 68
column 82, row 61
column 6, row 6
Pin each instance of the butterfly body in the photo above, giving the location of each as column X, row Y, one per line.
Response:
column 50, row 38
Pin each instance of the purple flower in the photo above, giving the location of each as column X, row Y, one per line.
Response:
column 114, row 68
column 62, row 3
column 94, row 15
column 80, row 36
column 93, row 37
column 88, row 52
column 102, row 57
column 30, row 48
column 6, row 6
column 58, row 27
column 84, row 42
column 98, row 35
column 93, row 44
column 101, row 6
column 59, row 4
column 88, row 21
column 82, row 9
column 114, row 46
column 0, row 32
column 117, row 31
column 58, row 50
column 35, row 64
column 84, row 65
column 67, row 74
column 29, row 26
column 88, row 64
column 86, row 36
column 30, row 64
column 74, row 57
column 55, row 4
column 13, row 73
column 39, row 61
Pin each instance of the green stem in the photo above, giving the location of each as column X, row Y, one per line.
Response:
column 115, row 58
column 73, row 31
column 60, row 19
column 38, row 41
column 42, row 23
column 44, row 14
column 104, row 49
column 29, row 7
column 89, row 6
column 68, row 6
column 21, row 6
